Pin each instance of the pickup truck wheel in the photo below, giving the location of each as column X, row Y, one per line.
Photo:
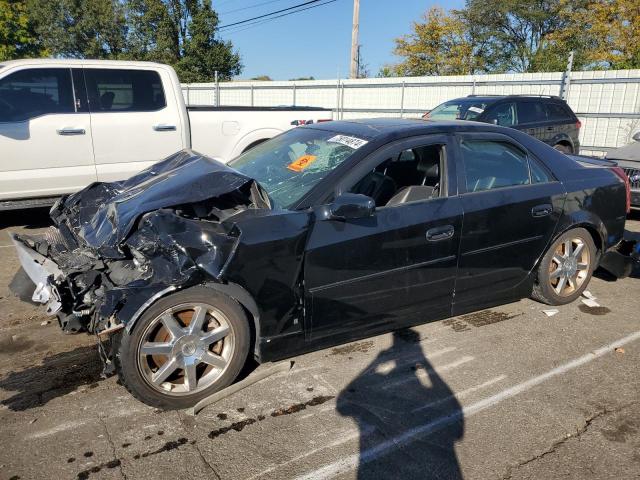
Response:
column 185, row 347
column 565, row 270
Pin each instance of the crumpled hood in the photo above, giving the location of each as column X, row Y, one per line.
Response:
column 103, row 214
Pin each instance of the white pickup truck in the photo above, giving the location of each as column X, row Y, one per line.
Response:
column 67, row 123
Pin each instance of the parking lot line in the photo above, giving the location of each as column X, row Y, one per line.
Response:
column 6, row 246
column 460, row 395
column 351, row 462
column 426, row 371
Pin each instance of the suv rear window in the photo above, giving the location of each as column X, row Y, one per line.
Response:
column 115, row 90
column 556, row 111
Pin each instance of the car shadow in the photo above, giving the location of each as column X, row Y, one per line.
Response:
column 398, row 401
column 59, row 374
column 29, row 218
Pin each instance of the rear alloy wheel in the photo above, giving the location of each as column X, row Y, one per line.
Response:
column 566, row 268
column 566, row 149
column 184, row 348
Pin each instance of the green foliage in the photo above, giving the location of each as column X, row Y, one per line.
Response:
column 181, row 33
column 496, row 36
column 17, row 35
column 301, row 78
column 262, row 78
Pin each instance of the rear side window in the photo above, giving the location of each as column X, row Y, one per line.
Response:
column 31, row 93
column 530, row 112
column 492, row 164
column 556, row 112
column 115, row 90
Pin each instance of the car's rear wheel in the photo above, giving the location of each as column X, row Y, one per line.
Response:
column 185, row 347
column 561, row 147
column 565, row 270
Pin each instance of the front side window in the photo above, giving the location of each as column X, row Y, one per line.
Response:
column 493, row 164
column 115, row 90
column 466, row 109
column 34, row 92
column 503, row 114
column 290, row 165
column 411, row 175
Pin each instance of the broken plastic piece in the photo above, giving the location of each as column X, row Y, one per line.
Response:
column 550, row 312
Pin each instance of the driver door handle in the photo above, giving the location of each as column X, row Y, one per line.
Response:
column 71, row 131
column 541, row 210
column 162, row 127
column 440, row 233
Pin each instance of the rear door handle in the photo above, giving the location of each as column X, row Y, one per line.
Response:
column 71, row 131
column 549, row 129
column 161, row 127
column 440, row 233
column 541, row 210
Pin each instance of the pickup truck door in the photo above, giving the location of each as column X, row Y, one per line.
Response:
column 135, row 119
column 45, row 134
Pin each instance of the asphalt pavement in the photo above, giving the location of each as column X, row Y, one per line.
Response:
column 505, row 393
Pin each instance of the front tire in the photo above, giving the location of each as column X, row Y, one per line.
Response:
column 565, row 270
column 185, row 347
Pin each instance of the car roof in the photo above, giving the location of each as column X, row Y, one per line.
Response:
column 381, row 128
column 495, row 98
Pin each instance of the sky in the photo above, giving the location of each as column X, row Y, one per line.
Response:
column 317, row 42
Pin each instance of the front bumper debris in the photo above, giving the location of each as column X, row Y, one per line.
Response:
column 41, row 271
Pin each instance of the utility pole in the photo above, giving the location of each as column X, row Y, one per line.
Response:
column 354, row 39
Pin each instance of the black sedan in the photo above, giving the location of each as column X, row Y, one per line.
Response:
column 323, row 234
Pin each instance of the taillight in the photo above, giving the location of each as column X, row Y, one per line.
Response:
column 620, row 172
column 324, row 120
column 578, row 124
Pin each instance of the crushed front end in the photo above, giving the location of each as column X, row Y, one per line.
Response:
column 116, row 247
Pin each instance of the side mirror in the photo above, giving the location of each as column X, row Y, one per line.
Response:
column 636, row 136
column 351, row 206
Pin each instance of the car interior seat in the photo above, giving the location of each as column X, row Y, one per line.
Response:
column 429, row 169
column 106, row 100
column 376, row 185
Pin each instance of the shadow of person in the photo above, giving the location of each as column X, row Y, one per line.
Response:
column 409, row 419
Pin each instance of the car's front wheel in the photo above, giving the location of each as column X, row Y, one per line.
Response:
column 566, row 268
column 185, row 347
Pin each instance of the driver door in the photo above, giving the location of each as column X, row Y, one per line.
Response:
column 394, row 268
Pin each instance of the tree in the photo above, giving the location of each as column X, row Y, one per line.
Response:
column 438, row 45
column 80, row 29
column 18, row 38
column 262, row 78
column 181, row 33
column 603, row 33
column 511, row 35
column 301, row 78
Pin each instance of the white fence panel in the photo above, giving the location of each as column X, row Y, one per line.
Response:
column 607, row 102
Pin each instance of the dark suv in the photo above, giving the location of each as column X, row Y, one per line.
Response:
column 544, row 117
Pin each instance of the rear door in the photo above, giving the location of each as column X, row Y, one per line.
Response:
column 563, row 121
column 394, row 268
column 532, row 119
column 134, row 121
column 511, row 207
column 45, row 134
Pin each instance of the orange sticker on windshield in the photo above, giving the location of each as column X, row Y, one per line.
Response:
column 302, row 162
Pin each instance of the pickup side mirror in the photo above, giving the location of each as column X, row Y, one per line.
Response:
column 636, row 137
column 351, row 206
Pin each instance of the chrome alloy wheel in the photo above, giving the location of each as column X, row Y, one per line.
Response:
column 569, row 266
column 185, row 349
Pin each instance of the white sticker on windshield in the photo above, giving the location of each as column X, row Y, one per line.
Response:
column 351, row 142
column 475, row 109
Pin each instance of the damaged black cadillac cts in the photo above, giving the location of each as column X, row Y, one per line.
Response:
column 324, row 234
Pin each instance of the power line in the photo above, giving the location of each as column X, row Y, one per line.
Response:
column 250, row 7
column 268, row 14
column 260, row 22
